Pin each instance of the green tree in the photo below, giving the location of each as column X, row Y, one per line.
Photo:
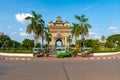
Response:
column 27, row 43
column 0, row 43
column 7, row 44
column 112, row 39
column 103, row 38
column 108, row 44
column 3, row 38
column 36, row 26
column 72, row 45
column 38, row 45
column 48, row 38
column 78, row 43
column 45, row 45
column 44, row 34
column 69, row 39
column 15, row 44
column 83, row 27
column 92, row 43
column 75, row 31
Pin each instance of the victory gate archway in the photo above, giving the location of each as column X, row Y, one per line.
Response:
column 59, row 30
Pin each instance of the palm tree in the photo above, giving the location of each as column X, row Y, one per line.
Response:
column 44, row 34
column 48, row 38
column 69, row 39
column 36, row 26
column 75, row 31
column 83, row 26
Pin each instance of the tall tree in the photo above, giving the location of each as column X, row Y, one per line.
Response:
column 83, row 27
column 44, row 34
column 78, row 44
column 27, row 43
column 7, row 44
column 38, row 45
column 75, row 31
column 103, row 38
column 3, row 38
column 114, row 39
column 36, row 26
column 69, row 39
column 48, row 38
column 15, row 44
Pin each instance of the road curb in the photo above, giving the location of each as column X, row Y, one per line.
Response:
column 55, row 58
column 102, row 58
column 15, row 58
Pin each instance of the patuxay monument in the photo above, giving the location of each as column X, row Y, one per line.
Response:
column 59, row 30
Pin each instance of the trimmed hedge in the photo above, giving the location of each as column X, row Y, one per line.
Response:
column 16, row 51
column 104, row 51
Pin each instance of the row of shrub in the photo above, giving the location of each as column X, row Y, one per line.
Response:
column 30, row 50
column 105, row 51
column 16, row 51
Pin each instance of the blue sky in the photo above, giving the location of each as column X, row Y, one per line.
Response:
column 103, row 15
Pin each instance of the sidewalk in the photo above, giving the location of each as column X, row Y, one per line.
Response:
column 105, row 54
column 31, row 55
column 14, row 54
column 27, row 57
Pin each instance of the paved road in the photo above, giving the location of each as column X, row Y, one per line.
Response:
column 60, row 70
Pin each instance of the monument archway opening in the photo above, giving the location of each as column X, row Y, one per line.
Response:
column 58, row 43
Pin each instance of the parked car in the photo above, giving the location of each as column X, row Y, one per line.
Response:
column 86, row 52
column 62, row 52
column 39, row 52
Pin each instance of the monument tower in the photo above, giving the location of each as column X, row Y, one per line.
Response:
column 59, row 30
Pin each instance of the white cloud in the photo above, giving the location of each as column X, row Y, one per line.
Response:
column 97, row 36
column 86, row 8
column 21, row 29
column 21, row 17
column 13, row 33
column 9, row 27
column 92, row 33
column 112, row 29
column 24, row 34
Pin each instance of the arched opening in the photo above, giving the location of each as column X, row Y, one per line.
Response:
column 58, row 43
